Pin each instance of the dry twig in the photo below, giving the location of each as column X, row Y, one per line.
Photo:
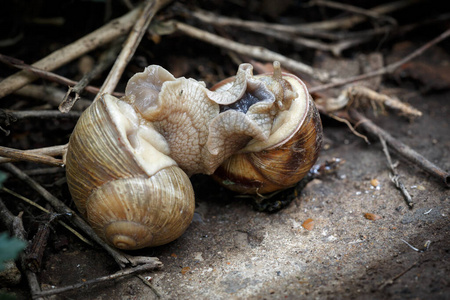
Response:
column 121, row 273
column 395, row 178
column 59, row 150
column 253, row 51
column 20, row 155
column 316, row 29
column 43, row 114
column 403, row 150
column 101, row 36
column 51, row 95
column 280, row 32
column 106, row 59
column 391, row 281
column 131, row 44
column 43, row 73
column 372, row 13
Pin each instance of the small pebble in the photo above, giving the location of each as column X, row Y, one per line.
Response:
column 370, row 216
column 308, row 224
column 374, row 182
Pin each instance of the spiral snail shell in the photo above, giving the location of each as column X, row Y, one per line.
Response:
column 129, row 160
column 287, row 155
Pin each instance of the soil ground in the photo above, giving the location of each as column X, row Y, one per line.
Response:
column 231, row 251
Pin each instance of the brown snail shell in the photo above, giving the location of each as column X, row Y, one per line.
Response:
column 131, row 193
column 286, row 157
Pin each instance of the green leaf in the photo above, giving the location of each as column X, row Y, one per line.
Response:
column 9, row 248
column 3, row 177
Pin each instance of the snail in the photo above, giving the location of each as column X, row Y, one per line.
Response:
column 287, row 155
column 129, row 160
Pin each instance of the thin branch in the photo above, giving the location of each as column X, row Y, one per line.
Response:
column 394, row 176
column 403, row 150
column 20, row 155
column 353, row 9
column 134, row 38
column 253, row 51
column 32, row 70
column 348, row 22
column 121, row 273
column 349, row 125
column 99, row 37
column 335, row 48
column 59, row 150
column 43, row 114
column 391, row 281
column 385, row 70
column 106, row 60
column 50, row 95
column 316, row 29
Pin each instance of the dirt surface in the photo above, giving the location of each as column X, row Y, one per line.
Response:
column 231, row 251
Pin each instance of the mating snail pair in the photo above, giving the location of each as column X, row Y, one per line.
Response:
column 129, row 160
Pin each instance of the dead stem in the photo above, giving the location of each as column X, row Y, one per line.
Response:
column 59, row 150
column 44, row 171
column 350, row 126
column 51, row 95
column 391, row 281
column 131, row 44
column 121, row 273
column 342, row 39
column 254, row 51
column 106, row 59
column 23, row 155
column 61, row 208
column 403, row 150
column 32, row 70
column 151, row 286
column 99, row 37
column 316, row 29
column 356, row 10
column 272, row 31
column 395, row 178
column 43, row 114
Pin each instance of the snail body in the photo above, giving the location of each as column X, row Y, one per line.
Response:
column 129, row 160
